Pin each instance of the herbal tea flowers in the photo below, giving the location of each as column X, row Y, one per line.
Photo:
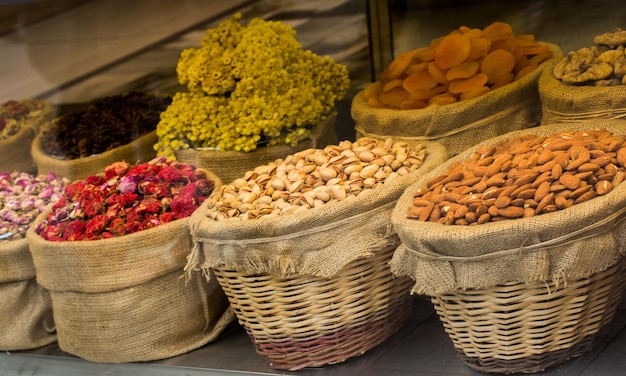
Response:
column 248, row 86
column 22, row 198
column 126, row 199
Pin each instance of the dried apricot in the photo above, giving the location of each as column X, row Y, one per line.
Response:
column 393, row 84
column 397, row 66
column 394, row 97
column 425, row 95
column 504, row 80
column 419, row 80
column 479, row 48
column 442, row 99
column 412, row 68
column 477, row 92
column 463, row 70
column 462, row 85
column 497, row 64
column 437, row 74
column 452, row 51
column 497, row 31
column 425, row 54
column 413, row 104
column 372, row 90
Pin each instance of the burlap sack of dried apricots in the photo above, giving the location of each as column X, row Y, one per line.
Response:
column 558, row 246
column 459, row 125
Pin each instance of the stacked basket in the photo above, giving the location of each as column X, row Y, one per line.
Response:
column 530, row 292
column 311, row 287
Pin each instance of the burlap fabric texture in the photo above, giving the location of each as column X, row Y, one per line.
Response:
column 230, row 165
column 460, row 125
column 317, row 242
column 124, row 299
column 16, row 153
column 139, row 150
column 563, row 103
column 564, row 245
column 26, row 320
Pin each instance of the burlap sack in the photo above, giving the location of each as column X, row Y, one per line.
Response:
column 229, row 165
column 317, row 242
column 124, row 299
column 460, row 125
column 562, row 103
column 26, row 320
column 567, row 244
column 138, row 151
column 16, row 155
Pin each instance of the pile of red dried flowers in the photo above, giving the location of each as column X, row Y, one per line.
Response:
column 126, row 199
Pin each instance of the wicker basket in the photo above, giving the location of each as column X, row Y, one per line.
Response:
column 306, row 321
column 527, row 327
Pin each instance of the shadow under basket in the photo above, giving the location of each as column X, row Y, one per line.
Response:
column 307, row 321
column 528, row 327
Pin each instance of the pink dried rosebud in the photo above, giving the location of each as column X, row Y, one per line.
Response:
column 129, row 183
column 12, row 204
column 46, row 192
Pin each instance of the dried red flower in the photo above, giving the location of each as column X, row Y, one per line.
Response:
column 125, row 200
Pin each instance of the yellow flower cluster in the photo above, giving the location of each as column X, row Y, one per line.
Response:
column 249, row 86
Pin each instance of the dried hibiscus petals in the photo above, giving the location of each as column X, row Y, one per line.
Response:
column 126, row 199
column 103, row 125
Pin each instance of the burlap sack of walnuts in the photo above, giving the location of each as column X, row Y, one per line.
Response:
column 139, row 150
column 563, row 103
column 230, row 165
column 460, row 125
column 26, row 310
column 318, row 242
column 563, row 245
column 16, row 155
column 124, row 299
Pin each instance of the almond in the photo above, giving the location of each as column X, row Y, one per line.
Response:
column 589, row 166
column 603, row 187
column 511, row 212
column 547, row 200
column 542, row 191
column 585, row 197
column 621, row 156
column 570, row 181
column 562, row 202
column 545, row 157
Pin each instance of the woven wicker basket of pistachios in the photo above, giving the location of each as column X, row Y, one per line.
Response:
column 520, row 244
column 301, row 248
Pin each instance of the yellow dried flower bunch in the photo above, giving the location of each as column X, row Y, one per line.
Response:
column 249, row 85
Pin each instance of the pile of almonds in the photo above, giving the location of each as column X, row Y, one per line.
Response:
column 522, row 177
column 314, row 177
